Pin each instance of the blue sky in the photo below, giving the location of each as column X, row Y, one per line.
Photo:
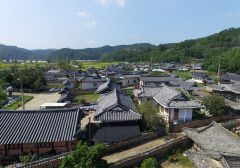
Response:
column 35, row 24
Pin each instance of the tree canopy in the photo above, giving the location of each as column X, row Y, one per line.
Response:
column 86, row 157
column 215, row 104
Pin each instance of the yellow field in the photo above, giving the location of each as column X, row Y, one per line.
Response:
column 96, row 64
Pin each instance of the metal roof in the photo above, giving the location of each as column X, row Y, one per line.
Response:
column 39, row 126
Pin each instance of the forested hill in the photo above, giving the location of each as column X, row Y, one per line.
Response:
column 10, row 52
column 91, row 53
column 223, row 46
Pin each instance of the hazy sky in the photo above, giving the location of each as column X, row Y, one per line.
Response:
column 37, row 24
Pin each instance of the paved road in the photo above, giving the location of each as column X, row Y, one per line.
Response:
column 141, row 148
column 38, row 99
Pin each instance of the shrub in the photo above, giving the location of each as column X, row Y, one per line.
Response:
column 82, row 100
column 215, row 104
column 149, row 163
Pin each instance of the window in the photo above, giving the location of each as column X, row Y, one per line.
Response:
column 45, row 144
column 13, row 146
column 148, row 99
column 135, row 81
column 73, row 144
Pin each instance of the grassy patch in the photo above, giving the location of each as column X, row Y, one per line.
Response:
column 201, row 85
column 19, row 103
column 91, row 98
column 96, row 64
column 190, row 96
column 184, row 75
column 179, row 158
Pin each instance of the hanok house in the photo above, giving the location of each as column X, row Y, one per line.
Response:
column 155, row 80
column 202, row 78
column 145, row 94
column 214, row 146
column 108, row 87
column 129, row 80
column 175, row 106
column 187, row 87
column 229, row 78
column 118, row 117
column 92, row 82
column 39, row 131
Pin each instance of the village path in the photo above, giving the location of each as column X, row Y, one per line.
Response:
column 142, row 148
column 38, row 99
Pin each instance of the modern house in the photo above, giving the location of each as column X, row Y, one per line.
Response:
column 175, row 106
column 107, row 87
column 39, row 131
column 214, row 146
column 118, row 117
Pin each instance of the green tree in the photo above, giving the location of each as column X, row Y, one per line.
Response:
column 151, row 119
column 149, row 163
column 3, row 98
column 215, row 104
column 86, row 157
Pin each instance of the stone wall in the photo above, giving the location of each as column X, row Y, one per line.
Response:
column 157, row 152
column 132, row 141
column 199, row 123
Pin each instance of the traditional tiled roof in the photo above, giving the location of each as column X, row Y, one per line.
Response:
column 232, row 87
column 147, row 91
column 115, row 133
column 107, row 102
column 93, row 79
column 108, row 85
column 39, row 126
column 215, row 138
column 203, row 160
column 156, row 78
column 171, row 98
column 230, row 77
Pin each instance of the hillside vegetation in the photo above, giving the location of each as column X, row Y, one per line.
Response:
column 223, row 46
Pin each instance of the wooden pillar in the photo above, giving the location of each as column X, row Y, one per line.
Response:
column 21, row 146
column 52, row 145
column 37, row 149
column 67, row 146
column 6, row 149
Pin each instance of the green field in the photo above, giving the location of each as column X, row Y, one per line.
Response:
column 91, row 98
column 96, row 64
column 7, row 66
column 19, row 103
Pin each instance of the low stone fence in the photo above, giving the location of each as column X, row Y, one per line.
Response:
column 158, row 152
column 202, row 122
column 51, row 162
column 132, row 141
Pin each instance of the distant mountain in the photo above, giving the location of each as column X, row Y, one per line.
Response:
column 223, row 47
column 91, row 53
column 10, row 52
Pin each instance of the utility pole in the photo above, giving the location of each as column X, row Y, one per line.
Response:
column 218, row 73
column 22, row 92
column 15, row 64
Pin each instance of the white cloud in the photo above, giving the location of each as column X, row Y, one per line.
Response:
column 228, row 14
column 120, row 3
column 84, row 14
column 102, row 2
column 91, row 24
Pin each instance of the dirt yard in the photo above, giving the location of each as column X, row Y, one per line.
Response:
column 38, row 99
